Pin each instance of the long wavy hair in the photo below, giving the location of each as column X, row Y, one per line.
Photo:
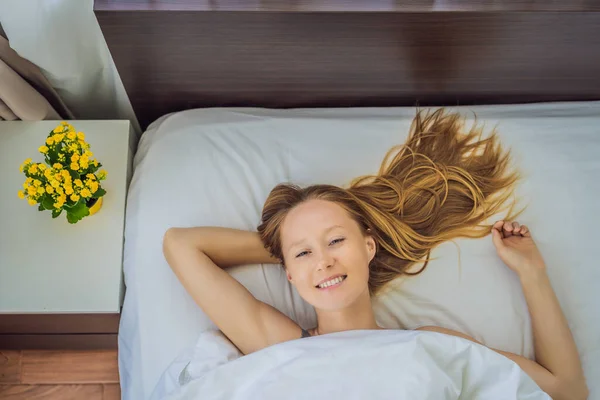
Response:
column 442, row 184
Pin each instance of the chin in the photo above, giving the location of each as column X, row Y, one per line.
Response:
column 335, row 301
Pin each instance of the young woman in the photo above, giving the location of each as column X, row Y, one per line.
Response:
column 340, row 246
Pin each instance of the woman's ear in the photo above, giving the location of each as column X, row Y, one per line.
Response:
column 289, row 277
column 371, row 247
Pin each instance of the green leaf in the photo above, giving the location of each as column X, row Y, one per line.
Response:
column 47, row 202
column 41, row 208
column 52, row 156
column 99, row 193
column 74, row 174
column 80, row 210
column 72, row 218
column 56, row 213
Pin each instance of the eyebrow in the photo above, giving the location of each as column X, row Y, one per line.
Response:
column 326, row 231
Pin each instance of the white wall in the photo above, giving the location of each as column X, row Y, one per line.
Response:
column 63, row 38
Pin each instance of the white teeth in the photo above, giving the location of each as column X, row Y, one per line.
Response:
column 331, row 282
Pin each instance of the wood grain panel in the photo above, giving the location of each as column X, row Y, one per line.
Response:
column 53, row 367
column 176, row 60
column 10, row 366
column 51, row 392
column 59, row 323
column 112, row 392
column 59, row 342
column 348, row 5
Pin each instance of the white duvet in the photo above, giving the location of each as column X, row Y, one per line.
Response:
column 388, row 364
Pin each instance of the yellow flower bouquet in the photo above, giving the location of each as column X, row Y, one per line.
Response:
column 68, row 179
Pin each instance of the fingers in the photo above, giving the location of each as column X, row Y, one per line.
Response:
column 516, row 228
column 507, row 229
column 497, row 238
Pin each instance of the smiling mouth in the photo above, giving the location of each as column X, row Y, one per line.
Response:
column 335, row 282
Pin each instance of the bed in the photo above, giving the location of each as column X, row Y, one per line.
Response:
column 216, row 166
column 233, row 101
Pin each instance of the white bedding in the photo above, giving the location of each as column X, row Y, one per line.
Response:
column 216, row 167
column 391, row 364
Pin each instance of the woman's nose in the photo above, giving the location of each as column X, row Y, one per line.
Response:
column 325, row 261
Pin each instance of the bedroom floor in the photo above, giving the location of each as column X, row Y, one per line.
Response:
column 65, row 375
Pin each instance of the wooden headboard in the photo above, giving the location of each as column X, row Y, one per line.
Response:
column 180, row 54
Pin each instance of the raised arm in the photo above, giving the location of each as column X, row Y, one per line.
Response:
column 196, row 255
column 557, row 368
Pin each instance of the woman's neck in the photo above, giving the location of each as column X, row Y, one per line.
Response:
column 359, row 315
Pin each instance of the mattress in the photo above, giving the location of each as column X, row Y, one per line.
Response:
column 216, row 167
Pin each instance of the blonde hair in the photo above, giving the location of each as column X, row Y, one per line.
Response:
column 442, row 184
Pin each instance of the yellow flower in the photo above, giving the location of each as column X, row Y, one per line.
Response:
column 72, row 135
column 42, row 167
column 95, row 163
column 49, row 189
column 33, row 169
column 57, row 138
column 64, row 123
column 57, row 166
column 47, row 173
column 43, row 149
column 78, row 183
column 74, row 197
column 75, row 157
column 74, row 166
column 54, row 183
column 80, row 136
column 58, row 129
column 25, row 185
column 50, row 141
column 37, row 183
column 27, row 161
column 84, row 164
column 86, row 193
column 31, row 190
column 91, row 177
column 21, row 194
column 60, row 190
column 73, row 148
column 94, row 186
column 102, row 174
column 65, row 174
column 31, row 202
column 41, row 190
column 68, row 190
column 88, row 154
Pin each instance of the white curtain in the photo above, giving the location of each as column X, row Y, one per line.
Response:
column 63, row 38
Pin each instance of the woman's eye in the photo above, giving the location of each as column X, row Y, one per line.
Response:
column 301, row 254
column 336, row 241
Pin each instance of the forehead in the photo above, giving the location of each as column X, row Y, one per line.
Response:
column 313, row 217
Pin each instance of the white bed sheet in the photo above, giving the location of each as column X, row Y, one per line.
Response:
column 216, row 167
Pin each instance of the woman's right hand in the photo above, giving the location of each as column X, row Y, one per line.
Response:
column 516, row 247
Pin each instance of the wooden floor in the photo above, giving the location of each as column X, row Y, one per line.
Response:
column 65, row 375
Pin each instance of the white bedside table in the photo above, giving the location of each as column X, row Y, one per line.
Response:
column 61, row 284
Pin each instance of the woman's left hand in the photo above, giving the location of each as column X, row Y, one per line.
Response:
column 516, row 247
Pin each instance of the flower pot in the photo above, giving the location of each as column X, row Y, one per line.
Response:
column 94, row 205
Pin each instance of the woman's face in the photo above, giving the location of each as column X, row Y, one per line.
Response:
column 326, row 254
